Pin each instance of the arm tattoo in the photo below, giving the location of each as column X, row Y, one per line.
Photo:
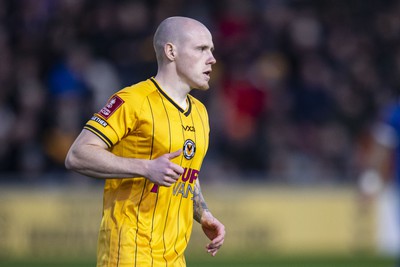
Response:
column 199, row 204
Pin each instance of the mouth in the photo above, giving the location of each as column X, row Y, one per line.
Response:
column 207, row 73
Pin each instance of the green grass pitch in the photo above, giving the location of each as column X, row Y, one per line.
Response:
column 207, row 261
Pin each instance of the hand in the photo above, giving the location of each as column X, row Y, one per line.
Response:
column 215, row 231
column 162, row 171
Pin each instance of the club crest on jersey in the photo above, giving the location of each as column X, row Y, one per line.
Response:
column 189, row 148
column 113, row 104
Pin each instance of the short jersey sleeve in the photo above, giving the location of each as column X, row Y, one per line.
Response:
column 115, row 120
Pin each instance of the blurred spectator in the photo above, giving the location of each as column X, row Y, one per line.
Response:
column 78, row 84
column 69, row 100
column 245, row 105
column 31, row 102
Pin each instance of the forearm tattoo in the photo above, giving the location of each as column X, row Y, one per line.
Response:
column 199, row 204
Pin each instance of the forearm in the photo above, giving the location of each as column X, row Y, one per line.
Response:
column 98, row 163
column 199, row 204
column 88, row 155
column 212, row 228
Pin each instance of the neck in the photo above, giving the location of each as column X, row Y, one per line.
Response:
column 175, row 89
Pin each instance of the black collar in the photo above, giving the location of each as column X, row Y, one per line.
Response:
column 189, row 109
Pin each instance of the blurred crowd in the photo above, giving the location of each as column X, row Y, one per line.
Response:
column 295, row 89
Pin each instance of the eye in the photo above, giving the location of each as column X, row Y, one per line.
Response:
column 205, row 48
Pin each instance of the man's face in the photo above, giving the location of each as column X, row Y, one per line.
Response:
column 195, row 58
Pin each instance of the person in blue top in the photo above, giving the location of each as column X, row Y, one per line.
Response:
column 382, row 168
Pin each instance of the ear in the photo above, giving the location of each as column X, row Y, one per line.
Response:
column 170, row 51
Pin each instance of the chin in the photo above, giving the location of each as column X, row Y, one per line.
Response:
column 203, row 87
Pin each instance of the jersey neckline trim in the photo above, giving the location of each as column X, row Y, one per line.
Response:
column 188, row 110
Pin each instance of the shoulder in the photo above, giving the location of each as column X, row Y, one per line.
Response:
column 128, row 99
column 137, row 92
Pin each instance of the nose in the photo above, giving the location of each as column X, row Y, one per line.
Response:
column 212, row 59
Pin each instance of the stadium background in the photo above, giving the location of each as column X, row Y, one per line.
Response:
column 296, row 88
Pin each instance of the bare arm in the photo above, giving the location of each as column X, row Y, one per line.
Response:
column 90, row 156
column 212, row 228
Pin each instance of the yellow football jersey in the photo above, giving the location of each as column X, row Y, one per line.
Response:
column 144, row 224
